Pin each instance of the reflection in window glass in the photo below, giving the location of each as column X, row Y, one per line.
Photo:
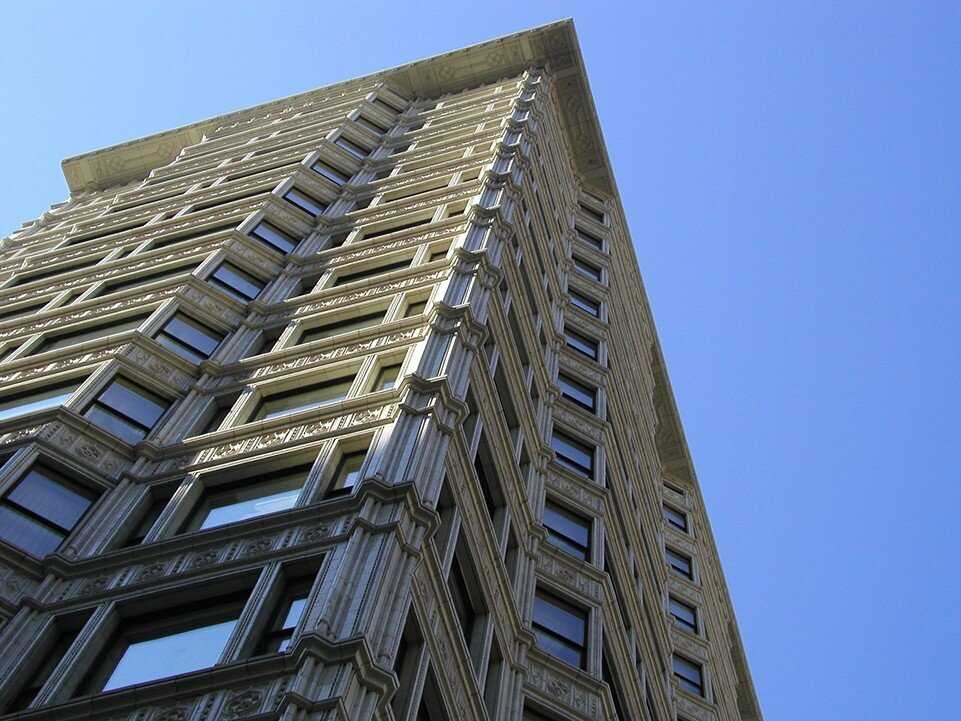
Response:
column 33, row 401
column 301, row 399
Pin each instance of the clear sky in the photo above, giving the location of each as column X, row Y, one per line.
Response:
column 791, row 177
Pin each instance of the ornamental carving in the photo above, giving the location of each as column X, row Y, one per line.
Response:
column 563, row 690
column 371, row 292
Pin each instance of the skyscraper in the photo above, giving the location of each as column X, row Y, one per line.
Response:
column 350, row 406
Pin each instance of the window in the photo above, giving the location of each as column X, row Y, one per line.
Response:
column 34, row 401
column 22, row 311
column 587, row 269
column 577, row 392
column 274, row 237
column 335, row 176
column 437, row 255
column 290, row 609
column 689, row 675
column 396, row 228
column 560, row 628
column 126, row 410
column 573, row 454
column 40, row 275
column 370, row 272
column 89, row 333
column 594, row 214
column 586, row 304
column 183, row 237
column 416, row 307
column 567, row 531
column 307, row 203
column 685, row 616
column 371, row 125
column 156, row 646
column 189, row 339
column 387, row 377
column 675, row 518
column 253, row 497
column 353, row 148
column 236, row 283
column 39, row 512
column 387, row 106
column 463, row 601
column 343, row 326
column 347, row 473
column 591, row 240
column 581, row 343
column 300, row 398
column 680, row 563
column 140, row 280
column 155, row 506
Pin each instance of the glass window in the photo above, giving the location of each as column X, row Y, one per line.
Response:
column 126, row 410
column 305, row 202
column 588, row 305
column 387, row 377
column 22, row 310
column 371, row 125
column 370, row 272
column 189, row 339
column 33, row 401
column 590, row 239
column 353, row 148
column 577, row 392
column 250, row 498
column 168, row 644
column 83, row 335
column 689, row 675
column 581, row 343
column 41, row 510
column 567, row 531
column 674, row 517
column 680, row 563
column 290, row 609
column 395, row 228
column 236, row 283
column 335, row 176
column 300, row 399
column 274, row 237
column 343, row 326
column 595, row 214
column 684, row 615
column 573, row 454
column 587, row 269
column 139, row 280
column 347, row 474
column 560, row 628
column 461, row 596
column 416, row 307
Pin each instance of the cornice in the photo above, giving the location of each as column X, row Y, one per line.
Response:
column 554, row 46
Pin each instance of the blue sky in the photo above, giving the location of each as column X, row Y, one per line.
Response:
column 791, row 177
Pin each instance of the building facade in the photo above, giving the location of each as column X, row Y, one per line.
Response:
column 350, row 406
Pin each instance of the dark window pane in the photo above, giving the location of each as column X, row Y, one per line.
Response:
column 345, row 326
column 144, row 279
column 305, row 202
column 274, row 237
column 387, row 377
column 49, row 498
column 37, row 400
column 28, row 534
column 254, row 498
column 675, row 518
column 590, row 238
column 689, row 675
column 572, row 453
column 133, row 402
column 115, row 424
column 370, row 272
column 588, row 305
column 415, row 308
column 680, row 563
column 303, row 398
column 102, row 330
column 577, row 392
column 684, row 615
column 347, row 474
column 561, row 618
column 236, row 282
column 582, row 343
column 194, row 334
column 585, row 268
column 333, row 175
column 567, row 531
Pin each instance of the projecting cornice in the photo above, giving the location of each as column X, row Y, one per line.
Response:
column 553, row 46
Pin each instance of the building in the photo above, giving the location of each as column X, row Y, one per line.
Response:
column 350, row 406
